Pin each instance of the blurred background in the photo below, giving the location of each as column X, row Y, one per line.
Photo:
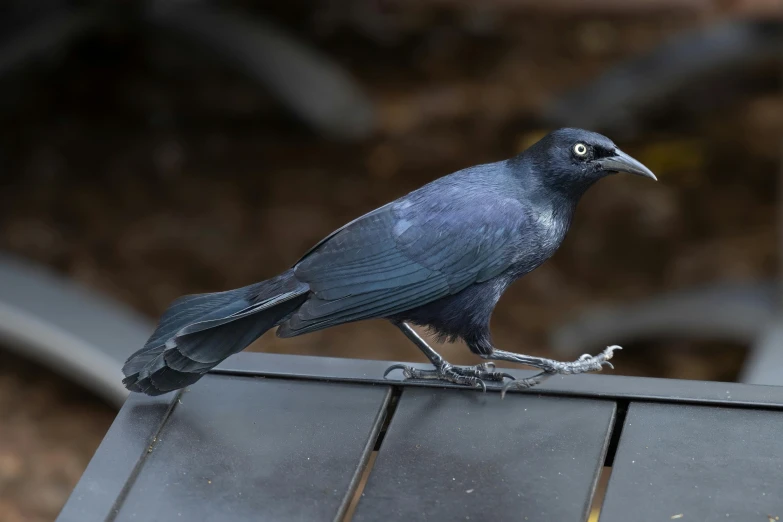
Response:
column 154, row 149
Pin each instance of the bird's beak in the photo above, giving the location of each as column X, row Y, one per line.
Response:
column 622, row 162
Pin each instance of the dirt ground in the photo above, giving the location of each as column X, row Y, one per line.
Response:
column 50, row 430
column 147, row 182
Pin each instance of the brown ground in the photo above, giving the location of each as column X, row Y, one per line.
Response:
column 50, row 430
column 147, row 184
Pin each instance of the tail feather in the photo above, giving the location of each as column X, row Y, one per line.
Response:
column 198, row 331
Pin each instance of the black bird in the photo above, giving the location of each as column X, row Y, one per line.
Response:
column 438, row 257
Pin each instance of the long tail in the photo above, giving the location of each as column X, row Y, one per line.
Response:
column 198, row 331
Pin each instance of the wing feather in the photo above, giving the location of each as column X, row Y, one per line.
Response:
column 430, row 244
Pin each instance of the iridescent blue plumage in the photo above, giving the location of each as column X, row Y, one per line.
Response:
column 440, row 257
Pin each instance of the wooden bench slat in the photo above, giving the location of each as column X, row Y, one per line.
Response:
column 604, row 386
column 116, row 459
column 464, row 455
column 258, row 449
column 696, row 463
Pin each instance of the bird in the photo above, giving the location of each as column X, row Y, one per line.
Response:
column 439, row 257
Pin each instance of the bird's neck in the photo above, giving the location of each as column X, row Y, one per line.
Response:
column 545, row 190
column 553, row 202
column 554, row 212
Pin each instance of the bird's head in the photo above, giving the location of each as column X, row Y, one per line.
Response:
column 576, row 158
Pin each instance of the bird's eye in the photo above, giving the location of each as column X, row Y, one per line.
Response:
column 580, row 149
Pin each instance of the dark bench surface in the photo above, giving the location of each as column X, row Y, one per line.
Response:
column 271, row 437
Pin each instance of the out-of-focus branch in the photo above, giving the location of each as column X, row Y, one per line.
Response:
column 623, row 94
column 45, row 36
column 310, row 84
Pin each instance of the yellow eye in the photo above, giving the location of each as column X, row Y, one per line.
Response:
column 580, row 149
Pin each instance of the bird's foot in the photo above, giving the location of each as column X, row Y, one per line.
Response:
column 485, row 371
column 473, row 376
column 524, row 384
column 585, row 363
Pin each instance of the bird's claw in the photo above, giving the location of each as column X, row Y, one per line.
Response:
column 523, row 384
column 585, row 363
column 603, row 358
column 403, row 367
column 473, row 376
column 491, row 373
column 485, row 371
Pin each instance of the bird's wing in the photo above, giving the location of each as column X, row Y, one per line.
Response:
column 330, row 236
column 418, row 249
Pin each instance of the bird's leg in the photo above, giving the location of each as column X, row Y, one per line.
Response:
column 585, row 363
column 473, row 376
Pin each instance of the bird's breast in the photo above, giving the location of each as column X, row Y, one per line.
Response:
column 546, row 233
